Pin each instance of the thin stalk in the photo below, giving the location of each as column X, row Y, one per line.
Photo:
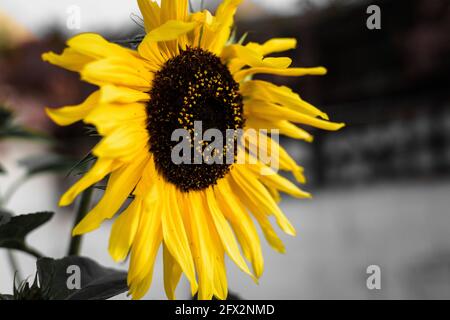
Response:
column 32, row 251
column 14, row 267
column 75, row 242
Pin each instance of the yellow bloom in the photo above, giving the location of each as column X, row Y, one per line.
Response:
column 184, row 71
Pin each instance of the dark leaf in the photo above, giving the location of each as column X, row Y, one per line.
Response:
column 28, row 291
column 13, row 230
column 46, row 164
column 97, row 282
column 6, row 297
column 2, row 169
column 5, row 216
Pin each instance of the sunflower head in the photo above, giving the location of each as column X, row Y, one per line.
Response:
column 194, row 86
column 186, row 75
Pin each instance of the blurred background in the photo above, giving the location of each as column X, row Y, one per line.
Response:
column 381, row 185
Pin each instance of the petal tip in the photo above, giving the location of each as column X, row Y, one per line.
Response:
column 76, row 232
column 322, row 71
column 65, row 201
column 46, row 56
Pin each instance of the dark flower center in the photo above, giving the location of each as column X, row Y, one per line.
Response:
column 192, row 88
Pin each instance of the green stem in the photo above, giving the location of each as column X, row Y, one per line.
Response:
column 75, row 242
column 32, row 252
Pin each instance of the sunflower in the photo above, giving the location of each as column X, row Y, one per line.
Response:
column 185, row 70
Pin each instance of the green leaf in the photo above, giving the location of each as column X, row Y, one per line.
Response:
column 46, row 164
column 97, row 282
column 28, row 291
column 14, row 229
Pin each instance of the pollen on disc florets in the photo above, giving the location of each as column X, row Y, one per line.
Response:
column 193, row 86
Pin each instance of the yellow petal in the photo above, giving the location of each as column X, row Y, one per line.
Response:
column 277, row 63
column 235, row 64
column 151, row 14
column 123, row 143
column 261, row 197
column 269, row 233
column 270, row 111
column 225, row 233
column 172, row 273
column 274, row 193
column 292, row 72
column 150, row 50
column 201, row 244
column 281, row 95
column 175, row 234
column 170, row 30
column 174, row 10
column 248, row 56
column 220, row 285
column 111, row 93
column 220, row 278
column 117, row 71
column 203, row 34
column 69, row 59
column 273, row 180
column 124, row 230
column 95, row 46
column 253, row 58
column 286, row 162
column 224, row 22
column 145, row 188
column 108, row 117
column 68, row 115
column 119, row 187
column 274, row 45
column 285, row 128
column 144, row 250
column 242, row 225
column 101, row 168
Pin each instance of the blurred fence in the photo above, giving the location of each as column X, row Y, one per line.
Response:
column 390, row 86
